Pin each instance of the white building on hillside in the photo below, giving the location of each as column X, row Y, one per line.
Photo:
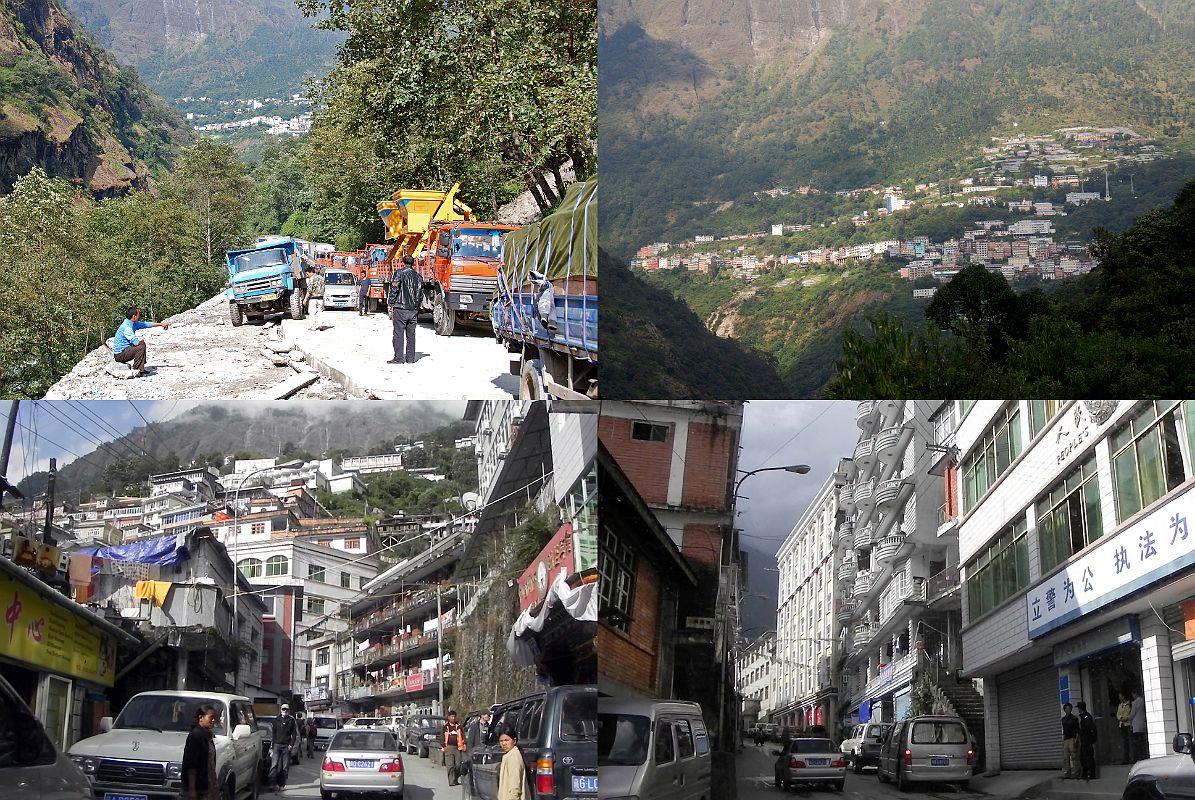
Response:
column 753, row 669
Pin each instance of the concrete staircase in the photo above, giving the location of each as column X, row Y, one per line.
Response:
column 968, row 704
column 1109, row 786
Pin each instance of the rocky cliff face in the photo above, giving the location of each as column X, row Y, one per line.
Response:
column 67, row 107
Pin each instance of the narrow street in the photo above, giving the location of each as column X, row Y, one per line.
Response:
column 423, row 781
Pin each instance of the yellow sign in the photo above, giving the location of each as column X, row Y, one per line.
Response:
column 36, row 631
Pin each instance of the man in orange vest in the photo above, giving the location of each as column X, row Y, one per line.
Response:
column 454, row 745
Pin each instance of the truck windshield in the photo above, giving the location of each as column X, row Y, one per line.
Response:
column 260, row 258
column 339, row 279
column 167, row 713
column 622, row 739
column 478, row 242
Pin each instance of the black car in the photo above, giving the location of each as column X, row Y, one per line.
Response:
column 557, row 731
column 424, row 732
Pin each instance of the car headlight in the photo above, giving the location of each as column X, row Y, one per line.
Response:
column 86, row 763
column 174, row 771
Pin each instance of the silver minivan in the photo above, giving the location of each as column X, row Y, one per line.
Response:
column 653, row 749
column 31, row 768
column 927, row 748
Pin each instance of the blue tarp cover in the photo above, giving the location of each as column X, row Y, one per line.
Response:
column 165, row 551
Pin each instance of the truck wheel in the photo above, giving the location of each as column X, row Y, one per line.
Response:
column 531, row 380
column 296, row 305
column 235, row 313
column 443, row 316
column 371, row 305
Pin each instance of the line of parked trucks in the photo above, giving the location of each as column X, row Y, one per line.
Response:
column 534, row 286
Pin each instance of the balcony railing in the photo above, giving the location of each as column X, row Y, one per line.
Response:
column 892, row 410
column 887, row 443
column 862, row 583
column 847, row 569
column 397, row 684
column 863, row 632
column 914, row 590
column 888, row 491
column 863, row 537
column 889, row 546
column 864, row 495
column 865, row 413
column 846, row 533
column 942, row 583
column 399, row 607
column 845, row 610
column 864, row 456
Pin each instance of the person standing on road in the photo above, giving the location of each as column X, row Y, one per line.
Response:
column 312, row 729
column 1124, row 723
column 1070, row 742
column 1140, row 737
column 286, row 731
column 452, row 747
column 315, row 291
column 406, row 293
column 126, row 346
column 363, row 294
column 1087, row 737
column 512, row 775
column 199, row 757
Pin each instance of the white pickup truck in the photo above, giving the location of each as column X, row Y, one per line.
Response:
column 139, row 757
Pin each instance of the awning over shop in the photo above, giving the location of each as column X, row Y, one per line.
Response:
column 165, row 551
column 581, row 603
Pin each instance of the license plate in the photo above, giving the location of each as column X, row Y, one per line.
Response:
column 818, row 762
column 466, row 299
column 359, row 764
column 585, row 783
column 111, row 796
column 939, row 762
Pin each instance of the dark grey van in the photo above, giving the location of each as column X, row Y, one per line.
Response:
column 558, row 738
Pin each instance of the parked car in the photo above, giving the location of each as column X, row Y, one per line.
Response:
column 296, row 744
column 140, row 753
column 1165, row 777
column 862, row 746
column 325, row 729
column 361, row 761
column 364, row 722
column 652, row 749
column 557, row 735
column 31, row 768
column 423, row 732
column 927, row 748
column 805, row 761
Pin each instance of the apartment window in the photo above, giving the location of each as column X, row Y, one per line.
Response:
column 250, row 567
column 364, row 580
column 257, row 528
column 322, row 656
column 1068, row 518
column 992, row 455
column 307, row 671
column 1041, row 412
column 352, row 544
column 1147, row 460
column 315, row 605
column 998, row 572
column 269, row 601
column 345, row 579
column 616, row 565
column 315, row 573
column 943, row 424
column 649, row 432
column 277, row 565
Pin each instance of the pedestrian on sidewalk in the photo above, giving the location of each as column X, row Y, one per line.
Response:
column 286, row 731
column 363, row 296
column 1140, row 737
column 512, row 775
column 1124, row 723
column 406, row 293
column 313, row 300
column 452, row 748
column 1087, row 737
column 312, row 729
column 126, row 346
column 199, row 757
column 1070, row 742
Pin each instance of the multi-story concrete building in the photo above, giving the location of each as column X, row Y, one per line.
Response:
column 1078, row 566
column 754, row 666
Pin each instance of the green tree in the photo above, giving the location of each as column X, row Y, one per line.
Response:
column 213, row 183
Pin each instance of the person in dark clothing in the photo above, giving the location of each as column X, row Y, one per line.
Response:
column 312, row 730
column 1070, row 742
column 363, row 298
column 286, row 731
column 452, row 747
column 1087, row 737
column 199, row 757
column 406, row 293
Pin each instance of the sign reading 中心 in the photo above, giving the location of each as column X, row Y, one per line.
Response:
column 1159, row 544
column 43, row 634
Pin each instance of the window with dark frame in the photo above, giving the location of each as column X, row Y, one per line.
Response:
column 1069, row 516
column 999, row 571
column 1147, row 459
column 649, row 431
column 616, row 566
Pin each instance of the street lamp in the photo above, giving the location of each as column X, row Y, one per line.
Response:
column 797, row 469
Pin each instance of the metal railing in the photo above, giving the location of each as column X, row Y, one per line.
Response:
column 943, row 582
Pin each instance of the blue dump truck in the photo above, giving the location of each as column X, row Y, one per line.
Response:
column 546, row 305
column 268, row 278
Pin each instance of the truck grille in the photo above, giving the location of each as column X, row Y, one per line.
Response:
column 258, row 285
column 471, row 283
column 141, row 773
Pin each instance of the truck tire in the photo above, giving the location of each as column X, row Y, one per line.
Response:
column 531, row 380
column 296, row 304
column 371, row 305
column 443, row 316
column 236, row 315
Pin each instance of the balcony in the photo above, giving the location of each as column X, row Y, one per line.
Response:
column 891, row 411
column 888, row 547
column 887, row 443
column 863, row 633
column 888, row 492
column 846, row 570
column 947, row 524
column 863, row 537
column 862, row 583
column 864, row 495
column 846, row 534
column 914, row 591
column 846, row 498
column 942, row 584
column 392, row 612
column 866, row 413
column 865, row 457
column 845, row 610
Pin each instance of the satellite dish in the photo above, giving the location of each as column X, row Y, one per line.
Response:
column 470, row 500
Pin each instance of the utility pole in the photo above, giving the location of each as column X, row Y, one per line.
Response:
column 47, row 537
column 440, row 649
column 10, row 429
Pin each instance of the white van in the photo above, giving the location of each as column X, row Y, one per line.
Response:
column 653, row 749
column 31, row 768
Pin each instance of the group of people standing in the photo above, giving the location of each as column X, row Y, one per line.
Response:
column 1079, row 735
column 512, row 774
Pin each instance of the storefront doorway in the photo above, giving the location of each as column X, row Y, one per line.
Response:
column 1104, row 677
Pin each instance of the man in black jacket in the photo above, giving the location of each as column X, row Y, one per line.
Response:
column 285, row 732
column 1087, row 737
column 406, row 292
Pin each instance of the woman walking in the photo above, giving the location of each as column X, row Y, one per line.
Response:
column 199, row 757
column 512, row 776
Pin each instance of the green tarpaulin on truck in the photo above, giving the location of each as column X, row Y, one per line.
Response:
column 562, row 243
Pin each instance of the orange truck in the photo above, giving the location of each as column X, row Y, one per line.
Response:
column 378, row 265
column 458, row 256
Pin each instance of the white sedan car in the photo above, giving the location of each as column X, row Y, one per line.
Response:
column 360, row 761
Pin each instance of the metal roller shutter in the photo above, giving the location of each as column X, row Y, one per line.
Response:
column 1030, row 727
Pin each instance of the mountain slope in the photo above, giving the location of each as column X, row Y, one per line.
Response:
column 66, row 105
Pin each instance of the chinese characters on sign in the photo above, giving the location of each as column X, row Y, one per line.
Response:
column 38, row 632
column 1133, row 558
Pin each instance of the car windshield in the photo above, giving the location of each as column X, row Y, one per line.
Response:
column 381, row 741
column 478, row 242
column 339, row 279
column 260, row 258
column 431, row 722
column 325, row 722
column 939, row 733
column 167, row 713
column 622, row 739
column 877, row 730
column 812, row 746
column 365, row 722
column 578, row 717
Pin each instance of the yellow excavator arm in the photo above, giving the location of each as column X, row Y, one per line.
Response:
column 410, row 212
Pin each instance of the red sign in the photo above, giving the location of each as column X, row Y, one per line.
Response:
column 554, row 559
column 415, row 682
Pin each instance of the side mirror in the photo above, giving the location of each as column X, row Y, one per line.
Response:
column 1182, row 743
column 105, row 724
column 241, row 731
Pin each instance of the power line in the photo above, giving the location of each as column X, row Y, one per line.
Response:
column 151, row 428
column 64, row 419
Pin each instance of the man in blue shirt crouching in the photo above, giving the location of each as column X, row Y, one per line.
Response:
column 126, row 346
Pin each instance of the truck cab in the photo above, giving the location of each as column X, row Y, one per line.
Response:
column 460, row 269
column 266, row 279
